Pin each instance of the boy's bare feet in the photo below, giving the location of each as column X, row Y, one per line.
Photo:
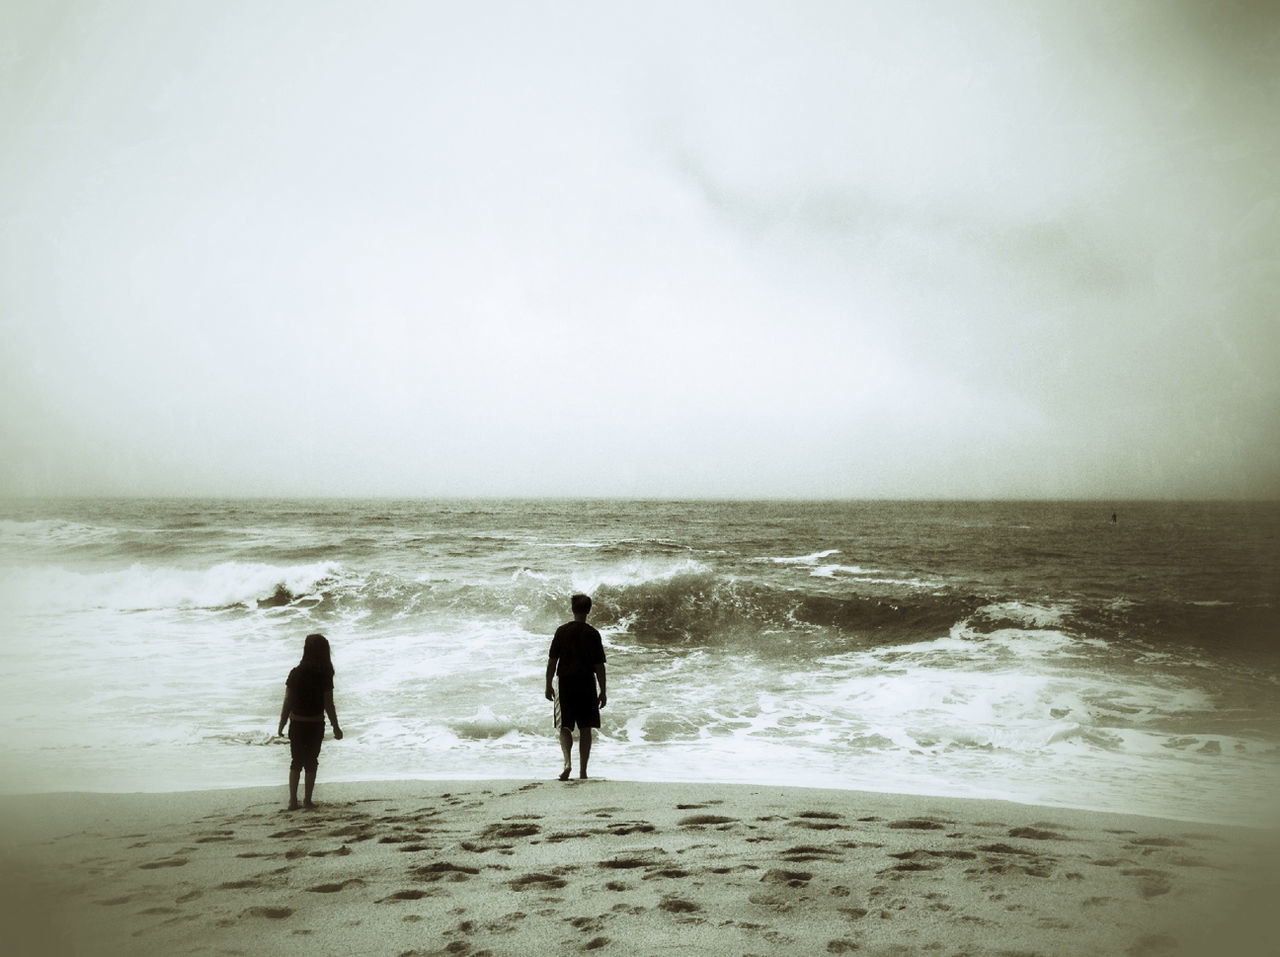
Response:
column 564, row 775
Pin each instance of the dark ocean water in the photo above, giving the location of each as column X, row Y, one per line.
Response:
column 1036, row 651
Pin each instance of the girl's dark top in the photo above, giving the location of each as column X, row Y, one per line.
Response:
column 308, row 685
column 578, row 648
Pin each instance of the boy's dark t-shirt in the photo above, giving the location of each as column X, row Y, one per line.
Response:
column 308, row 686
column 577, row 648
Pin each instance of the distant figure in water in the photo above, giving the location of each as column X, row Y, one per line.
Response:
column 577, row 655
column 1113, row 518
column 308, row 697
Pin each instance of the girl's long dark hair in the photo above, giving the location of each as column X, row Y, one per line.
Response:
column 315, row 654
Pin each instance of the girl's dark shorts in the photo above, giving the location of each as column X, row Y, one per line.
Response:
column 579, row 705
column 304, row 744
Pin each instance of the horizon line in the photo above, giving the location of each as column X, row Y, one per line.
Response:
column 455, row 497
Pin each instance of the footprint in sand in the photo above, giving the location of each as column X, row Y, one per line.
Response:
column 790, row 878
column 507, row 832
column 166, row 862
column 1036, row 834
column 406, row 895
column 916, row 824
column 444, row 871
column 334, row 888
column 923, row 855
column 1032, row 868
column 677, row 905
column 1151, row 883
column 291, row 832
column 271, row 913
column 1005, row 849
column 628, row 863
column 803, row 853
column 898, row 870
column 672, row 873
column 561, row 836
column 241, row 885
column 536, row 881
column 342, row 851
column 703, row 820
column 622, row 828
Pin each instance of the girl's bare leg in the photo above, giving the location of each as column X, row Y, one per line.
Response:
column 309, row 786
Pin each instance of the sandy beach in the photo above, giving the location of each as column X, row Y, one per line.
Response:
column 614, row 867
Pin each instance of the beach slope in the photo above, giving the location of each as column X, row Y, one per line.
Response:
column 613, row 867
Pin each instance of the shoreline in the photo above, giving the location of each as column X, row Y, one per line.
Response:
column 620, row 867
column 1263, row 819
column 1259, row 822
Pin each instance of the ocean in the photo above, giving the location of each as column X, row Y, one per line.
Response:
column 1037, row 652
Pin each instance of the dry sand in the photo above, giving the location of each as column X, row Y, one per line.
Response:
column 613, row 867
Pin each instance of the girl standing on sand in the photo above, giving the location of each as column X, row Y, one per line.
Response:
column 308, row 696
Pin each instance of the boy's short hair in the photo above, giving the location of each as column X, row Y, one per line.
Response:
column 580, row 604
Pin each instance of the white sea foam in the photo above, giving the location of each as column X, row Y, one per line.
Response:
column 801, row 559
column 831, row 571
column 637, row 572
column 163, row 671
column 141, row 587
column 871, row 576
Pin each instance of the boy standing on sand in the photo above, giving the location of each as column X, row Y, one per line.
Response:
column 577, row 655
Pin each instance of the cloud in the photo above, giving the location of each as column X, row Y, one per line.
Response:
column 755, row 249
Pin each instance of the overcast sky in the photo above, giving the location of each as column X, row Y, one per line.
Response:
column 842, row 249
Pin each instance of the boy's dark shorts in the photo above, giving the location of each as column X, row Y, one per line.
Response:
column 579, row 705
column 304, row 744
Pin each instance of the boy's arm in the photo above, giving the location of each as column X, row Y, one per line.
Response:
column 285, row 709
column 551, row 673
column 600, row 679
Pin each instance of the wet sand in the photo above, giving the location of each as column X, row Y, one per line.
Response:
column 614, row 867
